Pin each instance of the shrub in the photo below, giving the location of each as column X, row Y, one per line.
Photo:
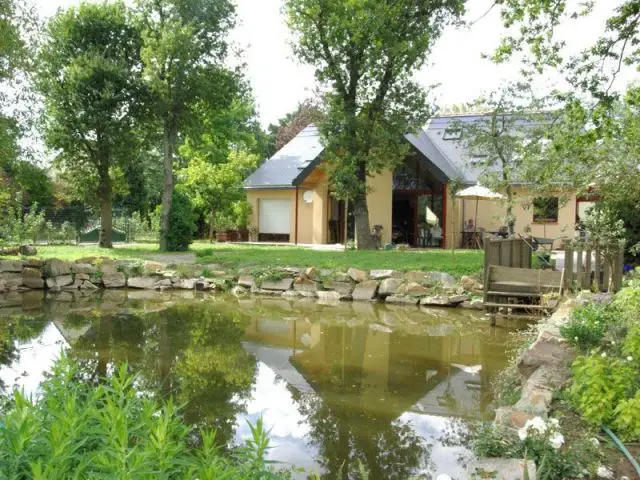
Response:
column 109, row 430
column 182, row 224
column 588, row 326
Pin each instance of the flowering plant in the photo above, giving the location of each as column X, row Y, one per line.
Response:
column 538, row 431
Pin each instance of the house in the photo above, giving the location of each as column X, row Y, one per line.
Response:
column 292, row 202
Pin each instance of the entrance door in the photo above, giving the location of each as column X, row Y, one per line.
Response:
column 274, row 219
column 404, row 219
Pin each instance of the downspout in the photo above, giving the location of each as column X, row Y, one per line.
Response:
column 295, row 233
column 444, row 216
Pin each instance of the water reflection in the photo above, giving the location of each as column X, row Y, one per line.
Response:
column 339, row 385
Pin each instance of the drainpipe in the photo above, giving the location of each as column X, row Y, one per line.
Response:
column 295, row 233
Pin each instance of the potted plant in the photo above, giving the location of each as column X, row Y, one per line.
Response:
column 253, row 233
column 241, row 212
column 224, row 229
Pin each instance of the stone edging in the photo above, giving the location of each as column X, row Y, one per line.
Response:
column 389, row 286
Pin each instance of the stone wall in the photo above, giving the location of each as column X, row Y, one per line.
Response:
column 389, row 286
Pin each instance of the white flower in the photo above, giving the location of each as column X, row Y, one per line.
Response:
column 630, row 358
column 575, row 338
column 556, row 440
column 613, row 342
column 537, row 424
column 522, row 433
column 595, row 441
column 604, row 472
column 554, row 421
column 604, row 354
column 443, row 476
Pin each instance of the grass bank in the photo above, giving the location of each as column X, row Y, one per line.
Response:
column 235, row 256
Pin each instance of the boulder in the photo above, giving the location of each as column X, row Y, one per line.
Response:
column 32, row 278
column 437, row 300
column 442, row 278
column 59, row 281
column 304, row 284
column 475, row 304
column 457, row 299
column 186, row 283
column 389, row 286
column 28, row 250
column 114, row 280
column 357, row 275
column 277, row 285
column 512, row 417
column 10, row 266
column 415, row 290
column 146, row 283
column 345, row 289
column 291, row 294
column 415, row 277
column 239, row 291
column 10, row 280
column 108, row 267
column 365, row 290
column 311, row 273
column 246, row 281
column 469, row 284
column 549, row 349
column 401, row 300
column 328, row 296
column 381, row 274
column 85, row 268
column 57, row 268
column 87, row 285
column 163, row 283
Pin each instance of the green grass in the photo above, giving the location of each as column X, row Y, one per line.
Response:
column 227, row 256
column 464, row 262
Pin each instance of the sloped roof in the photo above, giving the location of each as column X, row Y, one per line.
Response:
column 451, row 158
column 291, row 164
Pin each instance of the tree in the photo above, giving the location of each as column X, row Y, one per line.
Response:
column 364, row 53
column 502, row 141
column 90, row 79
column 184, row 49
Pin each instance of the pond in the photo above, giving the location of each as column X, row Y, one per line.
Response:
column 337, row 385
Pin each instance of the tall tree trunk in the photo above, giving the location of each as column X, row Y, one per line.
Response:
column 511, row 220
column 364, row 239
column 170, row 137
column 105, row 193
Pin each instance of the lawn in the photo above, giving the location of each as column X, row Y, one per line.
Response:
column 234, row 256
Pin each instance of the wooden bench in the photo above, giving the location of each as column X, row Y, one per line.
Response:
column 519, row 288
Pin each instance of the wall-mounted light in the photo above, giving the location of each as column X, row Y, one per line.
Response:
column 307, row 196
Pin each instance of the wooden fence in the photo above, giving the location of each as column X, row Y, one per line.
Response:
column 508, row 252
column 589, row 267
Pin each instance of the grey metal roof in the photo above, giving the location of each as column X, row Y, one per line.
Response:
column 451, row 159
column 291, row 164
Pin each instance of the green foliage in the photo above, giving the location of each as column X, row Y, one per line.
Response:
column 182, row 224
column 80, row 430
column 19, row 227
column 366, row 53
column 588, row 326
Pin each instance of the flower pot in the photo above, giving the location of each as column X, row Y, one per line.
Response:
column 243, row 235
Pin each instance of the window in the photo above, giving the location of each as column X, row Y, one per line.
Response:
column 452, row 134
column 545, row 210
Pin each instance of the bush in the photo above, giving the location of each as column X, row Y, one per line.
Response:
column 588, row 326
column 182, row 224
column 109, row 430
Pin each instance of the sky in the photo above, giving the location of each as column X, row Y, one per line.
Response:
column 280, row 82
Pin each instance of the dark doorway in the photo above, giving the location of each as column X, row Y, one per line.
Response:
column 404, row 219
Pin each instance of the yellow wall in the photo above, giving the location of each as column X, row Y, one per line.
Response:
column 253, row 197
column 491, row 215
column 380, row 203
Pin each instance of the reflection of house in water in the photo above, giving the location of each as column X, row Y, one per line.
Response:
column 440, row 372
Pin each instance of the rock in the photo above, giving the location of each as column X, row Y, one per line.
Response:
column 239, row 291
column 85, row 268
column 186, row 283
column 381, row 274
column 260, row 291
column 73, row 286
column 87, row 285
column 295, row 271
column 604, row 472
column 114, row 280
column 304, row 284
column 311, row 273
column 468, row 284
column 548, row 349
column 28, row 250
column 415, row 290
column 291, row 294
column 437, row 300
column 59, row 281
column 202, row 284
column 379, row 328
column 328, row 296
column 10, row 280
column 512, row 418
column 32, row 278
column 401, row 300
column 33, row 263
column 357, row 275
column 163, row 284
column 146, row 283
column 365, row 290
column 415, row 277
column 501, row 468
column 56, row 268
column 153, row 267
column 278, row 285
column 389, row 286
column 345, row 289
column 246, row 281
column 441, row 278
column 475, row 304
column 457, row 299
column 341, row 277
column 10, row 266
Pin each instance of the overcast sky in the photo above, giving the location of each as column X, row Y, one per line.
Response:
column 280, row 82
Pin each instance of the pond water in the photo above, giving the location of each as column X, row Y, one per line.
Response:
column 336, row 384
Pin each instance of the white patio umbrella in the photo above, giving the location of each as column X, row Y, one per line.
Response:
column 478, row 192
